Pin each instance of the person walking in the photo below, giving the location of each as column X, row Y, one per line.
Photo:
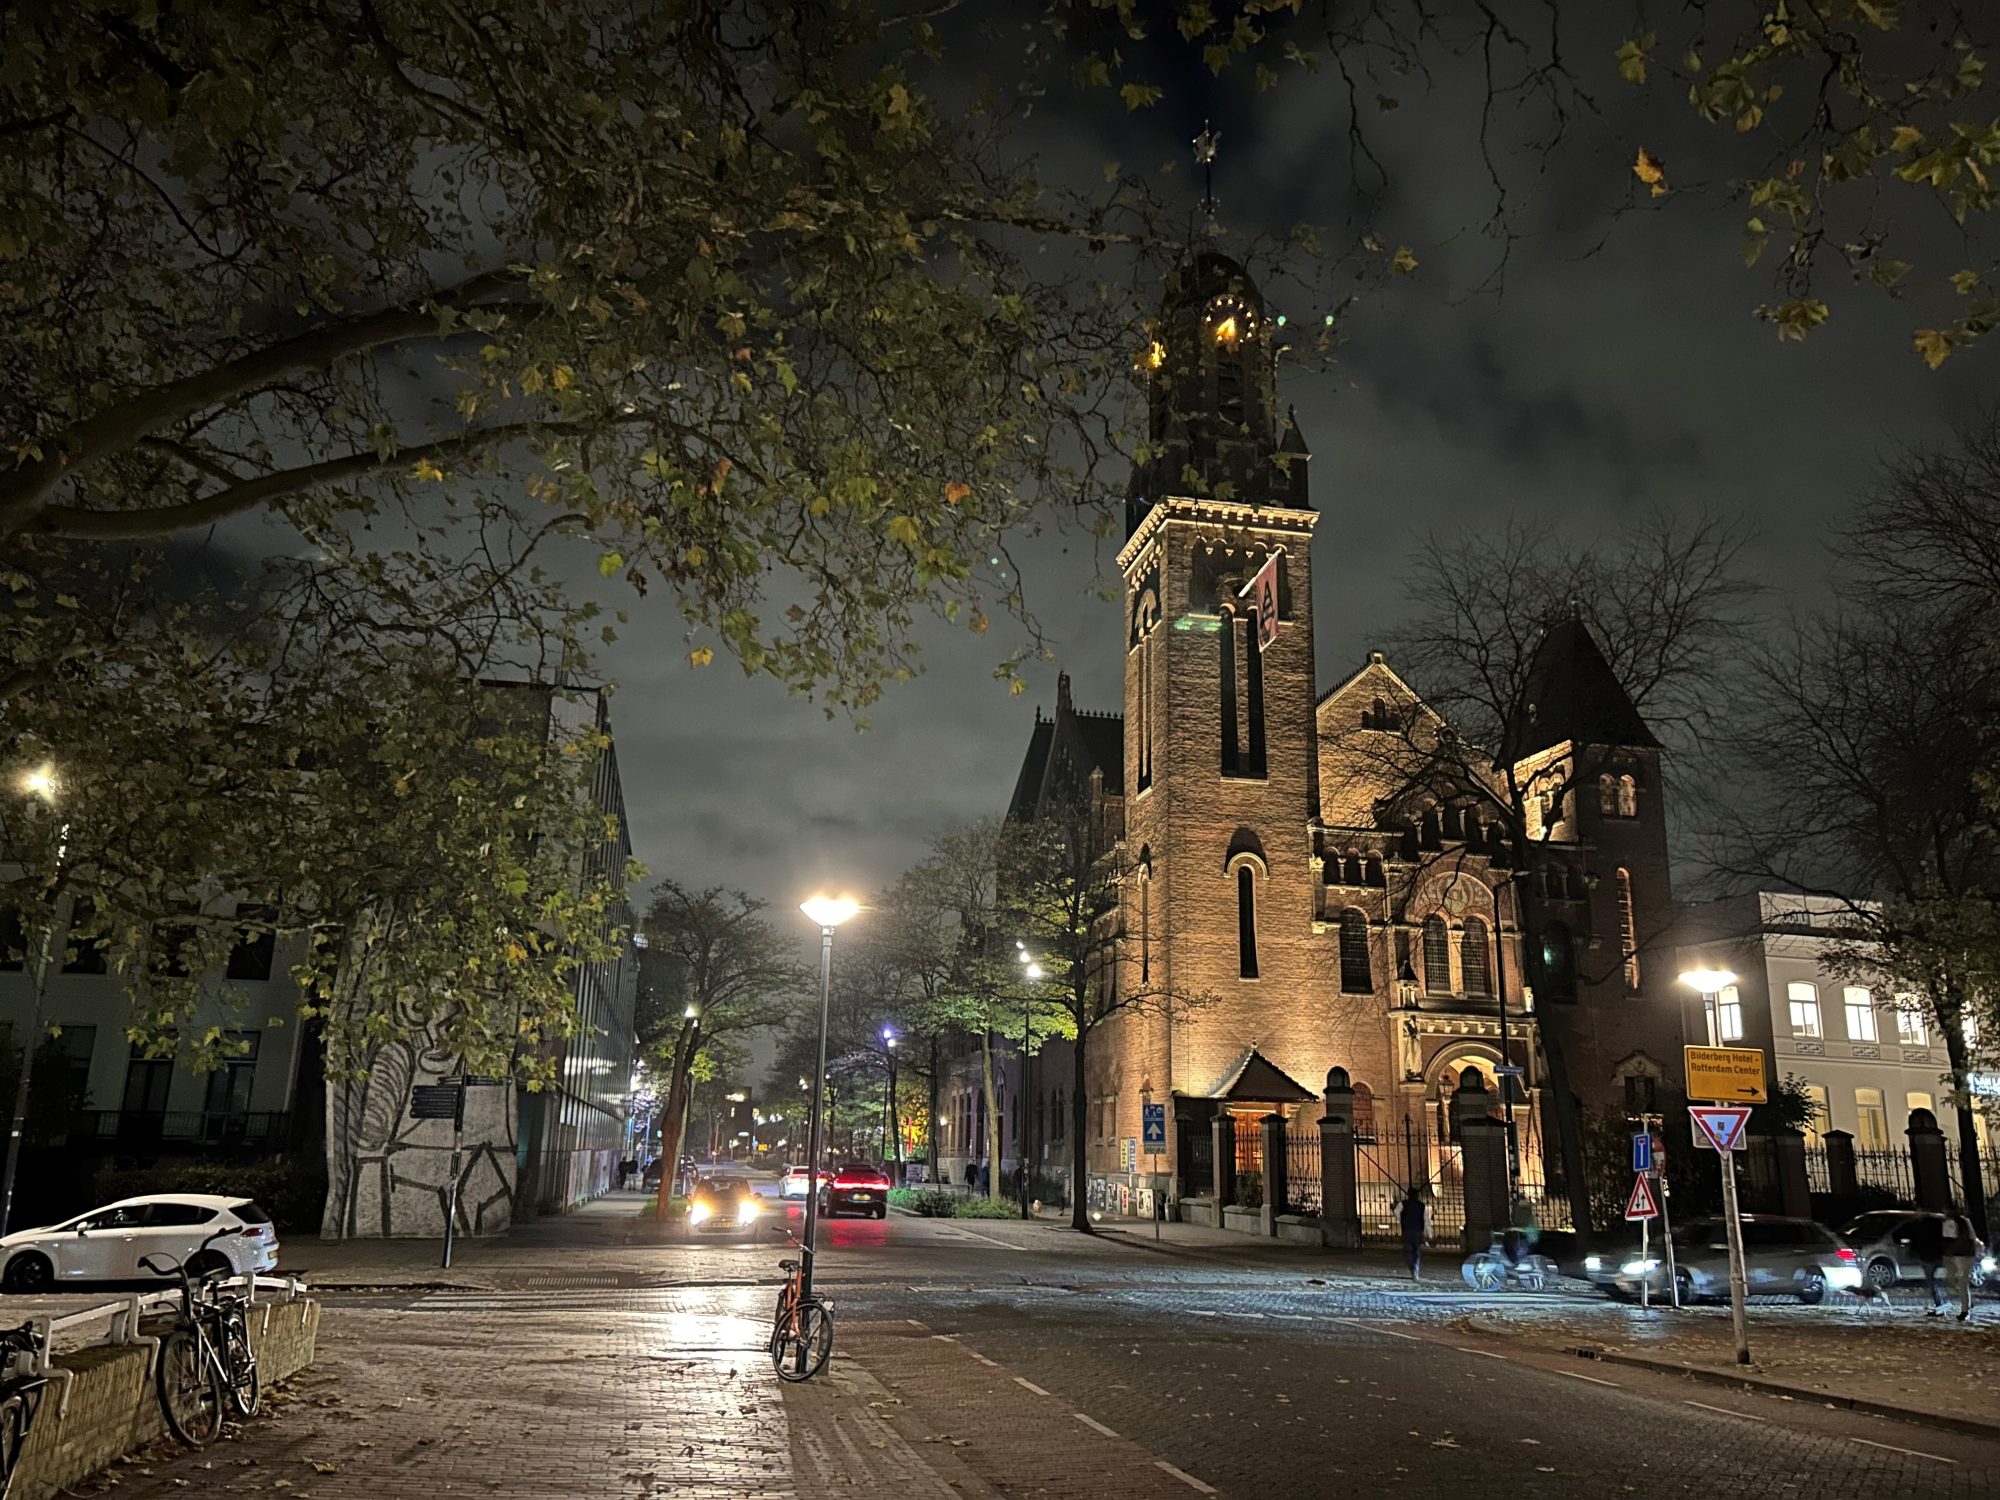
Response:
column 1415, row 1215
column 1926, row 1242
column 1960, row 1245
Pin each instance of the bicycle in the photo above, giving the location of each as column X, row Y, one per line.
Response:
column 802, row 1327
column 206, row 1359
column 21, row 1391
column 1490, row 1269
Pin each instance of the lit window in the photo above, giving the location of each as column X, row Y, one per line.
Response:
column 1225, row 331
column 1355, row 975
column 1910, row 1023
column 1607, row 795
column 1917, row 1099
column 1803, row 1000
column 1816, row 1113
column 1437, row 956
column 1871, row 1121
column 1628, row 932
column 1628, row 797
column 1729, row 1014
column 1860, row 1006
column 1473, row 966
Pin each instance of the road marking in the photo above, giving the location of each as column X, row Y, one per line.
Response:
column 1243, row 1315
column 1183, row 1476
column 945, row 1338
column 1093, row 1424
column 1202, row 1312
column 1486, row 1353
column 1293, row 1317
column 1374, row 1328
column 1594, row 1380
column 1028, row 1385
column 1912, row 1452
column 1746, row 1416
column 917, row 1323
column 989, row 1363
column 972, row 1235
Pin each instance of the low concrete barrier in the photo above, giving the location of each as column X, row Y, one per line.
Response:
column 113, row 1408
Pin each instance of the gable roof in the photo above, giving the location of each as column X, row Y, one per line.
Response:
column 1258, row 1080
column 1034, row 767
column 1572, row 694
column 1068, row 747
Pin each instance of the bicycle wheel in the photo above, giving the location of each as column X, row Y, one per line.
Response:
column 190, row 1387
column 801, row 1349
column 779, row 1317
column 246, row 1386
column 14, row 1418
column 1483, row 1272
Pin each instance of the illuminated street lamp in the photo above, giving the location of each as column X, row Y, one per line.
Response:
column 42, row 784
column 828, row 912
column 1032, row 972
column 1711, row 983
column 891, row 1131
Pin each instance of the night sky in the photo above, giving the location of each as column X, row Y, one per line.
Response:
column 1618, row 368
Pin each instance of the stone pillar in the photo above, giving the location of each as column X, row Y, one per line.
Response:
column 1927, row 1162
column 1277, row 1167
column 1339, row 1204
column 1842, row 1180
column 1222, row 1173
column 1757, row 1188
column 1483, row 1158
column 1794, row 1190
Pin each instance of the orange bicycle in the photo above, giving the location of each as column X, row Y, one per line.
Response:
column 802, row 1329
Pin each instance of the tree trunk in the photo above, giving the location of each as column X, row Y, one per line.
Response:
column 992, row 1116
column 674, row 1115
column 1970, row 1181
column 931, row 1121
column 1079, row 1149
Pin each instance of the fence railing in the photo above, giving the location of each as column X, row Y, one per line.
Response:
column 1302, row 1168
column 1388, row 1163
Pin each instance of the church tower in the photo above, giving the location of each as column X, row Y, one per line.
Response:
column 1220, row 762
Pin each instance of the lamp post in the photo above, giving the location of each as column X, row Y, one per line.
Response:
column 40, row 783
column 1032, row 972
column 1712, row 982
column 828, row 912
column 892, row 1133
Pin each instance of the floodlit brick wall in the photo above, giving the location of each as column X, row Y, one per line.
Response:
column 113, row 1406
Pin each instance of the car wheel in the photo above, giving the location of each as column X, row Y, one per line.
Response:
column 1882, row 1273
column 1684, row 1292
column 882, row 1211
column 30, row 1271
column 1812, row 1287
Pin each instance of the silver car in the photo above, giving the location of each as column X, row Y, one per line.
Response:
column 1786, row 1257
column 1881, row 1241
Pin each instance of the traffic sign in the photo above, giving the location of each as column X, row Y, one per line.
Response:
column 1719, row 1125
column 1642, row 1152
column 1727, row 1075
column 1154, row 1124
column 1129, row 1155
column 435, row 1101
column 1641, row 1204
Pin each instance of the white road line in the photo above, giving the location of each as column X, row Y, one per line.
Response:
column 1093, row 1424
column 990, row 1364
column 1594, row 1380
column 1028, row 1385
column 945, row 1338
column 1912, row 1452
column 1243, row 1315
column 1293, row 1317
column 1183, row 1476
column 1485, row 1353
column 972, row 1235
column 1202, row 1312
column 1376, row 1328
column 917, row 1323
column 1725, row 1411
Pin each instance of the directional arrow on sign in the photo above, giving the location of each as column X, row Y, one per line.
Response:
column 1722, row 1124
column 1641, row 1205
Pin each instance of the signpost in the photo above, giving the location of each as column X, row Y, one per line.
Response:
column 1153, row 1127
column 1728, row 1075
column 446, row 1101
column 1640, row 1206
column 1642, row 1153
column 1723, row 1125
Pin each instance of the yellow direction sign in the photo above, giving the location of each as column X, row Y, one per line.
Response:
column 1727, row 1075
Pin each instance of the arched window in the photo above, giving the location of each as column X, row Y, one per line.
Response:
column 1437, row 956
column 1475, row 970
column 1628, row 797
column 1628, row 932
column 1355, row 975
column 1246, row 922
column 1364, row 1113
column 1607, row 795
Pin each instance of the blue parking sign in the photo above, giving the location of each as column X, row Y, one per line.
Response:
column 1154, row 1120
column 1642, row 1152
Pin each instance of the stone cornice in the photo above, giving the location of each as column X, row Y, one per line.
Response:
column 1216, row 512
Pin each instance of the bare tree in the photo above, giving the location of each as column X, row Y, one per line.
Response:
column 1663, row 604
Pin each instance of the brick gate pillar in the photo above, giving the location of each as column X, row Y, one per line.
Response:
column 1927, row 1162
column 1339, row 1205
column 1794, row 1190
column 1483, row 1159
column 1222, row 1168
column 1277, row 1171
column 1843, row 1180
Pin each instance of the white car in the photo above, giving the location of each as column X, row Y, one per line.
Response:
column 797, row 1182
column 107, row 1243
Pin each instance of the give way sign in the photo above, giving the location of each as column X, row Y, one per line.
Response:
column 1719, row 1125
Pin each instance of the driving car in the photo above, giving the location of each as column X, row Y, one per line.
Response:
column 1794, row 1257
column 855, row 1188
column 107, row 1243
column 796, row 1182
column 1881, row 1240
column 723, row 1205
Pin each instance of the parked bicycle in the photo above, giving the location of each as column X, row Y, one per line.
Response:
column 205, row 1360
column 22, row 1387
column 1491, row 1269
column 802, row 1329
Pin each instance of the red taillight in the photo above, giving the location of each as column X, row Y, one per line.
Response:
column 253, row 1232
column 1844, row 1256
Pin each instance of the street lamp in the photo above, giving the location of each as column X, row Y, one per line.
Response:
column 1712, row 982
column 1032, row 971
column 43, row 784
column 892, row 1132
column 827, row 912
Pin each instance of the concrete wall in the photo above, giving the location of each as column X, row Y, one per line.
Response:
column 113, row 1406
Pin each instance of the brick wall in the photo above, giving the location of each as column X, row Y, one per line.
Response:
column 113, row 1407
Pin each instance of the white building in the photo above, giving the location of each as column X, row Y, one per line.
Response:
column 1867, row 1052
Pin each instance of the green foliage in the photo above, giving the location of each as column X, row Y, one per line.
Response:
column 926, row 1203
column 974, row 1207
column 292, row 1191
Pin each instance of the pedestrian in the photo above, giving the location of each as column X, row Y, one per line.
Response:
column 1415, row 1214
column 627, row 1170
column 1927, row 1244
column 1960, row 1246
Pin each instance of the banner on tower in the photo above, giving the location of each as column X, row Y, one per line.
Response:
column 1262, row 592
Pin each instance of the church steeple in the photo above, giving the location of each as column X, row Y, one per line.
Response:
column 1211, row 398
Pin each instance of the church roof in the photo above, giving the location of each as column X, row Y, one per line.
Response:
column 1070, row 746
column 1258, row 1080
column 1034, row 765
column 1572, row 694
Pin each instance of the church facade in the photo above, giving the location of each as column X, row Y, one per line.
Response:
column 1285, row 899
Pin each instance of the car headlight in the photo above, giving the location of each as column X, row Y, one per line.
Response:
column 747, row 1210
column 699, row 1213
column 1990, row 1264
column 1639, row 1267
column 1593, row 1263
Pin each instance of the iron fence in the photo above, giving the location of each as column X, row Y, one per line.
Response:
column 1302, row 1168
column 1389, row 1162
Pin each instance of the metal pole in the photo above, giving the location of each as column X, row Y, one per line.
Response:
column 457, row 1160
column 58, row 919
column 1666, row 1219
column 813, row 1134
column 1736, row 1286
column 1027, row 1100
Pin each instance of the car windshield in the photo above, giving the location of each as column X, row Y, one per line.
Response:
column 1873, row 1225
column 725, row 1187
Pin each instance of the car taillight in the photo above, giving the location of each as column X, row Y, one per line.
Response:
column 253, row 1232
column 1844, row 1255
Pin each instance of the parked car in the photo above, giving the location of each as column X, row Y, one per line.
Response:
column 107, row 1243
column 650, row 1178
column 1881, row 1240
column 1794, row 1257
column 797, row 1181
column 724, row 1205
column 856, row 1188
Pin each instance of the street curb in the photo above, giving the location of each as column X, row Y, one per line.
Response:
column 1970, row 1426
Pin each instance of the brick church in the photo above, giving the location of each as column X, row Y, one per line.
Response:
column 1267, row 863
